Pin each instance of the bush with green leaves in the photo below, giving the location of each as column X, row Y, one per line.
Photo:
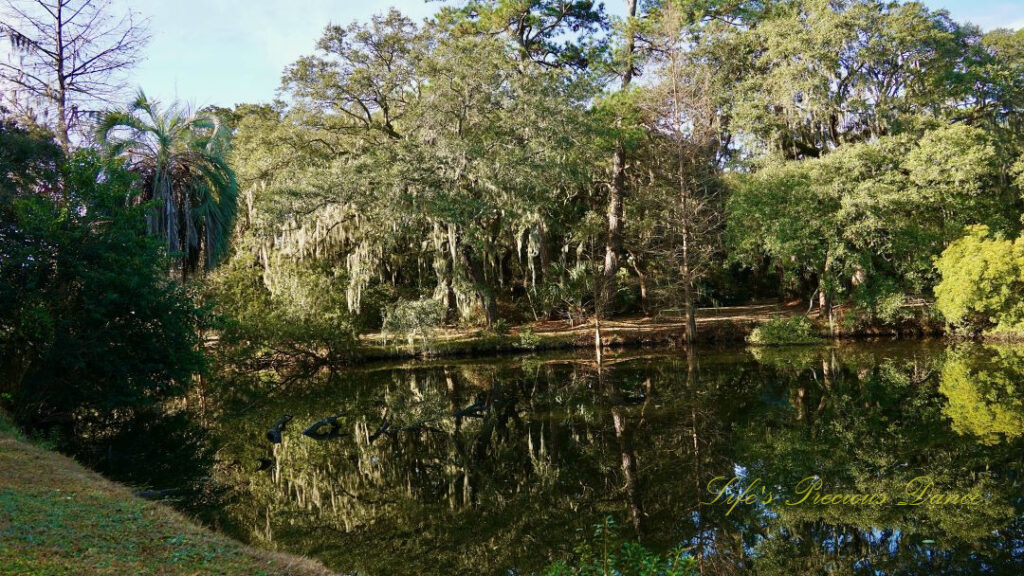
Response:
column 784, row 331
column 605, row 554
column 97, row 340
column 528, row 339
column 413, row 319
column 878, row 303
column 982, row 286
column 295, row 309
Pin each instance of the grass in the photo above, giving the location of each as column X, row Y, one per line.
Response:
column 58, row 518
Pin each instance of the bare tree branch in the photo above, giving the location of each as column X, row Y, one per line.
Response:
column 66, row 58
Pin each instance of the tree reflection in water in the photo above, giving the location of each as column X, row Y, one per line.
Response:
column 503, row 466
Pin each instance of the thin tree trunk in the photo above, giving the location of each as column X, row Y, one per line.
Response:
column 62, row 118
column 689, row 302
column 617, row 191
column 824, row 297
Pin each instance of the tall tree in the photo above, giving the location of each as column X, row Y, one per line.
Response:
column 68, row 58
column 626, row 65
column 182, row 158
column 823, row 74
column 684, row 130
column 554, row 33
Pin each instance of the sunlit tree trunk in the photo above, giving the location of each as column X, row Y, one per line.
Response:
column 617, row 191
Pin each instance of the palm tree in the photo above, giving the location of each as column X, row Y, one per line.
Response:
column 181, row 156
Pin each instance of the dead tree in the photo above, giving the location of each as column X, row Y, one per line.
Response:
column 67, row 59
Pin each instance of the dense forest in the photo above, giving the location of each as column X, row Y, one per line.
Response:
column 858, row 164
column 501, row 163
column 514, row 161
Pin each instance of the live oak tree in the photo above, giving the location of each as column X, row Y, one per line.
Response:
column 868, row 218
column 823, row 74
column 427, row 161
column 67, row 59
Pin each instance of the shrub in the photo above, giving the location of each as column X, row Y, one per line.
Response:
column 413, row 318
column 97, row 342
column 782, row 331
column 303, row 315
column 501, row 327
column 982, row 283
column 603, row 554
column 528, row 339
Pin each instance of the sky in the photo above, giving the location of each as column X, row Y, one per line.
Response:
column 224, row 52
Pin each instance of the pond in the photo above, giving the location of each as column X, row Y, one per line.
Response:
column 880, row 458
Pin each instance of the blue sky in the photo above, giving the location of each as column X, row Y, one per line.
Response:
column 225, row 52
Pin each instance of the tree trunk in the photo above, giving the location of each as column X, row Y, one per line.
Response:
column 617, row 191
column 62, row 95
column 613, row 246
column 825, row 305
column 543, row 255
column 689, row 301
column 475, row 272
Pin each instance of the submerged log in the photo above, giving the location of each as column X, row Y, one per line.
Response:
column 158, row 494
column 313, row 431
column 382, row 429
column 274, row 433
column 474, row 410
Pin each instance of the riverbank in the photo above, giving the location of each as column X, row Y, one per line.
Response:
column 59, row 518
column 714, row 325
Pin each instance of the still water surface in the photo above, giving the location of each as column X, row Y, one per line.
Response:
column 502, row 466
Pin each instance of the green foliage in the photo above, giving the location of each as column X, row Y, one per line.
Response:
column 982, row 283
column 983, row 386
column 784, row 331
column 869, row 217
column 413, row 319
column 602, row 555
column 96, row 338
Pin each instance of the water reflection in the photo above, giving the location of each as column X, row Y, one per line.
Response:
column 502, row 466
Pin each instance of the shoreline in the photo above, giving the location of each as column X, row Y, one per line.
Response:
column 714, row 326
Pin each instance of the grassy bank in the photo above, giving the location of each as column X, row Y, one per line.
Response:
column 58, row 518
column 714, row 325
column 731, row 324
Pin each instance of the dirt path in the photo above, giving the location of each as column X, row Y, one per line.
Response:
column 713, row 325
